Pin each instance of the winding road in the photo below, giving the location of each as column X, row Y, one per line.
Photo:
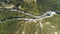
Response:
column 36, row 17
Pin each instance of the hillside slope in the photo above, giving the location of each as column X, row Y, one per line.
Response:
column 29, row 17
